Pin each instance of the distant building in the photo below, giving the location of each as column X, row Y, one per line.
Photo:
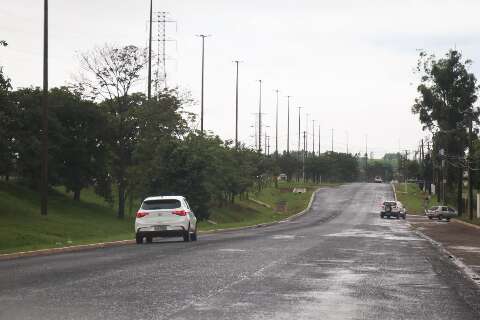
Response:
column 282, row 177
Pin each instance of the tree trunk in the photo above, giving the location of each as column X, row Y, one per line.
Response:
column 460, row 191
column 121, row 199
column 76, row 194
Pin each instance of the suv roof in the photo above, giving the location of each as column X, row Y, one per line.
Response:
column 164, row 198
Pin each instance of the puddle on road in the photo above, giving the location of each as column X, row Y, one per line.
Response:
column 232, row 250
column 383, row 235
column 285, row 237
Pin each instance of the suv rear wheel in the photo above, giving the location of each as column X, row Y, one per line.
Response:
column 138, row 239
column 193, row 236
column 186, row 236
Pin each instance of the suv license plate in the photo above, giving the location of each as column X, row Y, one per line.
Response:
column 160, row 228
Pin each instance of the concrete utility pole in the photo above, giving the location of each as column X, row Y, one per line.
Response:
column 303, row 157
column 236, row 106
column 306, row 129
column 332, row 140
column 260, row 117
column 319, row 141
column 469, row 163
column 366, row 158
column 276, row 127
column 203, row 36
column 44, row 193
column 313, row 138
column 149, row 80
column 299, row 128
column 288, row 124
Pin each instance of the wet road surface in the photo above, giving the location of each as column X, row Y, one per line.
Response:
column 339, row 261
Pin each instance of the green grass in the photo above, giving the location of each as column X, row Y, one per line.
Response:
column 413, row 199
column 92, row 220
column 248, row 212
column 68, row 222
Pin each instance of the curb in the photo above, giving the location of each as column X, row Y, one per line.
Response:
column 45, row 252
column 472, row 275
column 466, row 223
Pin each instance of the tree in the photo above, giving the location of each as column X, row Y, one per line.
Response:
column 83, row 155
column 112, row 73
column 7, row 120
column 445, row 107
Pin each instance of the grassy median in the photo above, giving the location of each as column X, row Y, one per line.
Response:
column 92, row 220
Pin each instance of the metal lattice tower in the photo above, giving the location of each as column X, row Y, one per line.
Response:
column 162, row 57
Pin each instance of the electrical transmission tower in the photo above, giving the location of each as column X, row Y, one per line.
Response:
column 162, row 57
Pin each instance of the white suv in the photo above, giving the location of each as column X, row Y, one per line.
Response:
column 168, row 216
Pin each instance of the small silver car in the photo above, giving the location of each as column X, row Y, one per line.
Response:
column 441, row 212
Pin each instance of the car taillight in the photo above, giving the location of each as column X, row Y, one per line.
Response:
column 180, row 212
column 141, row 214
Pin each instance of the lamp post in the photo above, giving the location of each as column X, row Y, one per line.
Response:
column 44, row 193
column 203, row 36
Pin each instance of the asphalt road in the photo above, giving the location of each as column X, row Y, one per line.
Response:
column 339, row 261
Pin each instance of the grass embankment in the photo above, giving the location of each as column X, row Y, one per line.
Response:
column 251, row 212
column 68, row 222
column 413, row 201
column 92, row 220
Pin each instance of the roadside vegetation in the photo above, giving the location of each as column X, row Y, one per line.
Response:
column 413, row 199
column 91, row 219
column 106, row 137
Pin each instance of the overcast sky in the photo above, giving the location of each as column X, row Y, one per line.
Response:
column 347, row 63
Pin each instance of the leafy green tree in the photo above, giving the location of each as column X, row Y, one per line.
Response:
column 83, row 153
column 7, row 120
column 111, row 75
column 448, row 92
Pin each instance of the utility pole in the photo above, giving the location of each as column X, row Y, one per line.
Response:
column 332, row 140
column 260, row 117
column 288, row 124
column 313, row 138
column 319, row 141
column 268, row 145
column 149, row 93
column 469, row 163
column 44, row 201
column 203, row 36
column 276, row 127
column 299, row 128
column 303, row 158
column 366, row 158
column 306, row 128
column 236, row 106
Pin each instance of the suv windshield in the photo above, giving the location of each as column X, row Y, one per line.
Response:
column 161, row 204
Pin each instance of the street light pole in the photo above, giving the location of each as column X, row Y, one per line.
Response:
column 236, row 106
column 44, row 193
column 260, row 117
column 469, row 162
column 276, row 127
column 149, row 80
column 203, row 36
column 288, row 124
